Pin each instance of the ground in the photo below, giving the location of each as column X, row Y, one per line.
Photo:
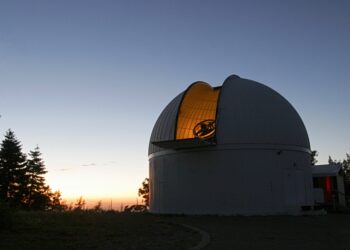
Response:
column 83, row 230
column 56, row 231
column 331, row 231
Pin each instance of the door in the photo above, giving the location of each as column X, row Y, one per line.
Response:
column 294, row 188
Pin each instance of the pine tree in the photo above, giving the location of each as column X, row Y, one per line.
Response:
column 37, row 190
column 36, row 181
column 12, row 170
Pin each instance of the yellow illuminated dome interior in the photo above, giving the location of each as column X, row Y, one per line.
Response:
column 199, row 104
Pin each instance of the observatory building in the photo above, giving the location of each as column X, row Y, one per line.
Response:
column 237, row 149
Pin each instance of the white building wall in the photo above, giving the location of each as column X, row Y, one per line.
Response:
column 230, row 182
column 341, row 190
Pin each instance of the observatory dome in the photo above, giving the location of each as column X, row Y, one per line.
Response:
column 236, row 149
column 245, row 113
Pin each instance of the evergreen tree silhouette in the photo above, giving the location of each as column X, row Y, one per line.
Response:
column 12, row 170
column 38, row 193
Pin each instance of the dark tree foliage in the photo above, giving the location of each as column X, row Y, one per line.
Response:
column 80, row 204
column 98, row 207
column 314, row 154
column 345, row 166
column 13, row 177
column 38, row 193
column 22, row 181
column 144, row 191
column 56, row 203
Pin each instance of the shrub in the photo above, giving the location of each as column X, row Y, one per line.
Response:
column 135, row 209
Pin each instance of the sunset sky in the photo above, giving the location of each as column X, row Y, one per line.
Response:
column 86, row 80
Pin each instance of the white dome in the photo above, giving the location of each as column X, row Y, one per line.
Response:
column 249, row 114
column 237, row 149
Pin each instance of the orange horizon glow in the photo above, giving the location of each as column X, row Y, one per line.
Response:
column 97, row 183
column 106, row 203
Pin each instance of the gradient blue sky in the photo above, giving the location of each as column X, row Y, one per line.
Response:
column 86, row 80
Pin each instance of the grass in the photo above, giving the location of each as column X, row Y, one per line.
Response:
column 331, row 231
column 83, row 230
column 74, row 230
column 5, row 217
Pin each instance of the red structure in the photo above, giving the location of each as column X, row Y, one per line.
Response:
column 328, row 185
column 328, row 189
